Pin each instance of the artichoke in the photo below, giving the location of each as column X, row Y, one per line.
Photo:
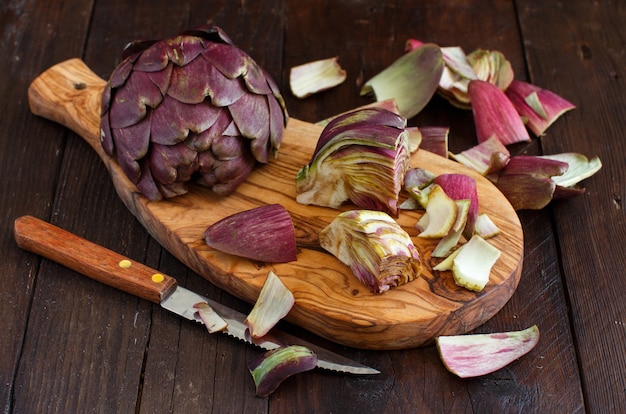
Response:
column 361, row 156
column 379, row 252
column 190, row 108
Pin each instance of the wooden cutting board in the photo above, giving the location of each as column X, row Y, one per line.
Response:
column 330, row 301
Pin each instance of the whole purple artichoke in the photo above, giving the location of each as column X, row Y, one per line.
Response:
column 193, row 107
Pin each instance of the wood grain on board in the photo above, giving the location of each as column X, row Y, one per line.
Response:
column 330, row 301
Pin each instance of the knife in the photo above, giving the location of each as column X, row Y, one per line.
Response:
column 115, row 270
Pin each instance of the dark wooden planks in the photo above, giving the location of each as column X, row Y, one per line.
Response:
column 584, row 60
column 87, row 347
column 367, row 39
column 31, row 152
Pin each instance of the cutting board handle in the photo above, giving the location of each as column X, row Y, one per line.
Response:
column 70, row 93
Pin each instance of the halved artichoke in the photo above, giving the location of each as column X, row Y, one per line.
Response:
column 361, row 156
column 379, row 252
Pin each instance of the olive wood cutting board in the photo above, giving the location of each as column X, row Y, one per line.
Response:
column 329, row 299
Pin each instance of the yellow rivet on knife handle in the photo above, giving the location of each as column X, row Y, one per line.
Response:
column 158, row 278
column 125, row 264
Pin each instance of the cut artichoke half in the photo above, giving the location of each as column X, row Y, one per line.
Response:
column 361, row 156
column 379, row 252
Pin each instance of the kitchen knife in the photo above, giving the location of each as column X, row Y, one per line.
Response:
column 115, row 270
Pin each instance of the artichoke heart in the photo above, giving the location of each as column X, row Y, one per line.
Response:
column 379, row 252
column 192, row 107
column 361, row 156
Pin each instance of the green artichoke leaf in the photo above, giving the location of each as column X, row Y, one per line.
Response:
column 411, row 80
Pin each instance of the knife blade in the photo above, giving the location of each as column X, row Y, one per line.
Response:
column 118, row 271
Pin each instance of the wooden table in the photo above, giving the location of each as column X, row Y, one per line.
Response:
column 70, row 344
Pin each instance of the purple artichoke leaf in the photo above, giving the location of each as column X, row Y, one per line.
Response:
column 185, row 84
column 202, row 141
column 278, row 122
column 228, row 147
column 133, row 141
column 251, row 114
column 200, row 117
column 167, row 128
column 234, row 169
column 105, row 101
column 142, row 84
column 106, row 136
column 172, row 190
column 536, row 165
column 173, row 120
column 129, row 166
column 526, row 181
column 525, row 192
column 136, row 47
column 539, row 107
column 418, row 178
column 153, row 59
column 227, row 188
column 273, row 367
column 121, row 73
column 208, row 180
column 163, row 173
column 228, row 174
column 264, row 234
column 354, row 120
column 167, row 160
column 435, row 140
column 128, row 105
column 162, row 78
column 146, row 184
column 262, row 149
column 182, row 49
column 209, row 33
column 494, row 114
column 206, row 162
column 231, row 129
column 256, row 80
column 187, row 172
column 187, row 163
column 275, row 91
column 227, row 59
column 222, row 90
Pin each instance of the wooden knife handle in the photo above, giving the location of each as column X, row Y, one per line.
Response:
column 92, row 260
